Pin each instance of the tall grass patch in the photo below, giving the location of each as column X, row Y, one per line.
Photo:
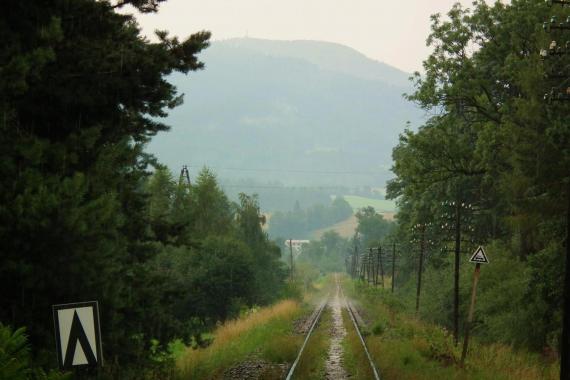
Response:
column 266, row 333
column 409, row 348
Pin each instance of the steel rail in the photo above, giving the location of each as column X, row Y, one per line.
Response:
column 351, row 314
column 317, row 317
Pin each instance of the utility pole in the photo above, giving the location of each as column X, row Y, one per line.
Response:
column 565, row 350
column 374, row 263
column 355, row 266
column 422, row 230
column 393, row 264
column 184, row 175
column 456, row 275
column 479, row 257
column 561, row 92
column 471, row 311
column 369, row 267
column 363, row 267
column 381, row 265
column 456, row 223
column 354, row 262
column 291, row 267
column 376, row 266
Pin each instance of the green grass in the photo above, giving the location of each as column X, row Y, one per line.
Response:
column 380, row 205
column 407, row 348
column 266, row 334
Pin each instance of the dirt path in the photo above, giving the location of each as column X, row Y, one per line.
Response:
column 334, row 368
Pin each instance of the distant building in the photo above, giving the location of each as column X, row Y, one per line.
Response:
column 297, row 245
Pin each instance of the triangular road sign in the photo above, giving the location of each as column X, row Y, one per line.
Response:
column 479, row 256
column 77, row 334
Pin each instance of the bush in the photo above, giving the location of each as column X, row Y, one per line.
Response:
column 378, row 328
column 292, row 291
column 15, row 360
column 440, row 346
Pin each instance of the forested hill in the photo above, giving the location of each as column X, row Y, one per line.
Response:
column 288, row 106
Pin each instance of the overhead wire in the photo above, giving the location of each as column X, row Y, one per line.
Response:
column 289, row 170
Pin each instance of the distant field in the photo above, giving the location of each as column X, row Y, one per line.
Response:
column 380, row 205
column 344, row 228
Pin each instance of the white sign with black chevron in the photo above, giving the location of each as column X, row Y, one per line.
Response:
column 78, row 335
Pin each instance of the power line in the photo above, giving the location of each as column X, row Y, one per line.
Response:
column 289, row 170
column 289, row 188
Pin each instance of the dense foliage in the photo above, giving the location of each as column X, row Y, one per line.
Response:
column 15, row 359
column 81, row 92
column 501, row 151
column 372, row 227
column 327, row 254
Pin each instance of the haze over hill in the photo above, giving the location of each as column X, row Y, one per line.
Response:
column 288, row 111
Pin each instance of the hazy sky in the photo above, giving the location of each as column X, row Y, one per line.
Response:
column 391, row 31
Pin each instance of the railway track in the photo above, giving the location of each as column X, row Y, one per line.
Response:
column 314, row 323
column 357, row 328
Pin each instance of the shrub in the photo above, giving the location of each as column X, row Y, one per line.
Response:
column 15, row 360
column 378, row 328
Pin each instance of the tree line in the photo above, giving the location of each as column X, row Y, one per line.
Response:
column 490, row 166
column 299, row 223
column 86, row 214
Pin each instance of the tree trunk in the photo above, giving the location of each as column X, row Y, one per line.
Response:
column 565, row 346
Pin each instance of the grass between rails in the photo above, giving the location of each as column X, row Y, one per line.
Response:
column 406, row 348
column 355, row 359
column 266, row 333
column 311, row 366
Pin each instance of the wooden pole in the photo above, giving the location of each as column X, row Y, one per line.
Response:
column 471, row 312
column 565, row 344
column 362, row 274
column 420, row 268
column 291, row 267
column 376, row 271
column 456, row 274
column 381, row 265
column 354, row 263
column 393, row 264
column 376, row 266
column 369, row 267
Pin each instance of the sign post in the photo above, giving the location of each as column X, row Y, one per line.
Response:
column 479, row 257
column 78, row 335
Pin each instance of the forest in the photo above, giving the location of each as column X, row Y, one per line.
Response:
column 491, row 166
column 86, row 213
column 299, row 223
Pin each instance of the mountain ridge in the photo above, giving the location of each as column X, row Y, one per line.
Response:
column 322, row 54
column 262, row 106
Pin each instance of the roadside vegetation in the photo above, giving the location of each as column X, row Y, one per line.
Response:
column 268, row 336
column 404, row 347
column 489, row 168
column 265, row 334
